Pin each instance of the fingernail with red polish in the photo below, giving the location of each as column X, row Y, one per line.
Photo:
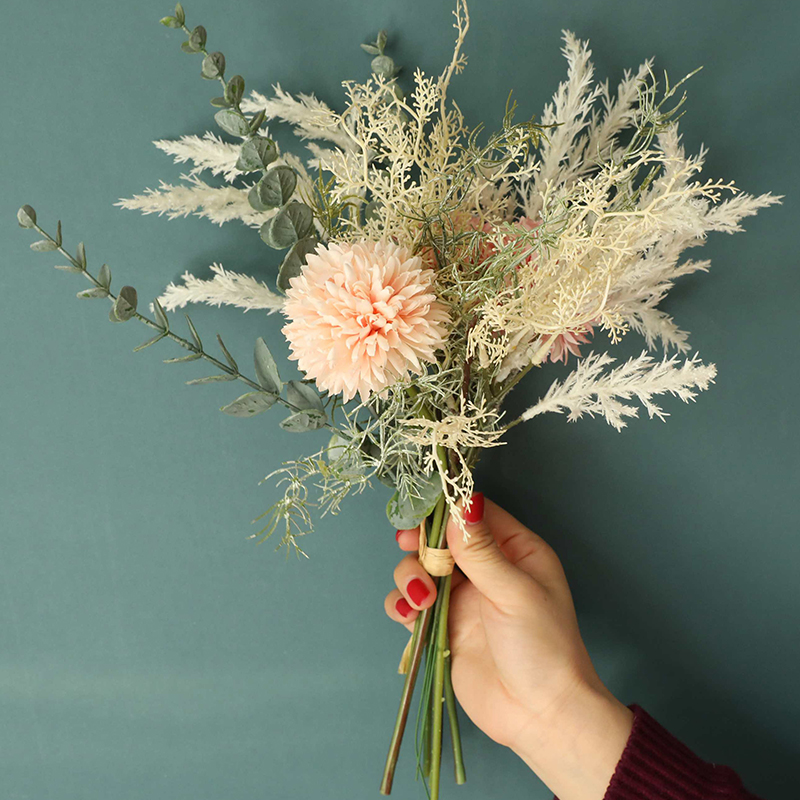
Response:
column 474, row 511
column 402, row 607
column 397, row 536
column 417, row 591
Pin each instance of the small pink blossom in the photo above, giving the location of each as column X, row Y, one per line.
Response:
column 362, row 316
column 569, row 342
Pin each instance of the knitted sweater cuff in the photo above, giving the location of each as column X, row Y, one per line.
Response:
column 655, row 765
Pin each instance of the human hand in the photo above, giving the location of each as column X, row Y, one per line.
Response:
column 520, row 669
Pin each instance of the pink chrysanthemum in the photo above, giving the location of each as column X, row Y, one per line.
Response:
column 361, row 316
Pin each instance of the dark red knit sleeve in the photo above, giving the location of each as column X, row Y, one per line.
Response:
column 656, row 766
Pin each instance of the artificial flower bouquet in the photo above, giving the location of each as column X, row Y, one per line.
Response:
column 428, row 267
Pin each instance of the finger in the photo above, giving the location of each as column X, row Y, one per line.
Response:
column 480, row 558
column 522, row 547
column 415, row 584
column 399, row 609
column 408, row 540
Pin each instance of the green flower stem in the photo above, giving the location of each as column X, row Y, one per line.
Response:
column 438, row 684
column 184, row 343
column 417, row 646
column 452, row 713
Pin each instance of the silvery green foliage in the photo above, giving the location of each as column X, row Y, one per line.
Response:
column 407, row 508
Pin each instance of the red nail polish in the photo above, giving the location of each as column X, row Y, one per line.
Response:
column 402, row 607
column 397, row 536
column 474, row 511
column 417, row 591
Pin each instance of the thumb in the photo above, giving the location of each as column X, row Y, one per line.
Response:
column 480, row 558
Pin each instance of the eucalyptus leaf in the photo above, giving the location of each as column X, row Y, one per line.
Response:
column 250, row 404
column 156, row 338
column 104, row 276
column 195, row 334
column 293, row 222
column 295, row 259
column 381, row 40
column 229, row 358
column 26, row 217
column 44, row 246
column 59, row 236
column 384, row 66
column 197, row 38
column 170, row 22
column 68, row 268
column 220, row 102
column 80, row 254
column 95, row 291
column 125, row 305
column 211, row 379
column 183, row 359
column 180, row 15
column 161, row 317
column 343, row 458
column 234, row 90
column 266, row 368
column 304, row 421
column 369, row 48
column 256, row 153
column 258, row 120
column 406, row 512
column 274, row 189
column 303, row 396
column 188, row 48
column 213, row 66
column 232, row 122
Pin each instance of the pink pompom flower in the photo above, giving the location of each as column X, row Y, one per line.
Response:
column 362, row 316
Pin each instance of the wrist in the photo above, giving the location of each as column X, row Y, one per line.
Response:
column 575, row 749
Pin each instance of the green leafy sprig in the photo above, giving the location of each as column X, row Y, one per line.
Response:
column 293, row 226
column 307, row 406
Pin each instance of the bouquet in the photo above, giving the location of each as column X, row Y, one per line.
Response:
column 428, row 267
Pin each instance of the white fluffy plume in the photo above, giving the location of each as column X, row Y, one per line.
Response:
column 225, row 288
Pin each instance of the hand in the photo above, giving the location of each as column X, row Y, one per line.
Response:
column 519, row 666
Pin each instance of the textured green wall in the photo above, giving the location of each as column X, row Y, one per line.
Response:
column 147, row 649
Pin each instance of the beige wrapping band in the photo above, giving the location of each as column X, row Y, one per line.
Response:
column 435, row 561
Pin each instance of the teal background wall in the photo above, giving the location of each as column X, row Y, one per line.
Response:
column 148, row 650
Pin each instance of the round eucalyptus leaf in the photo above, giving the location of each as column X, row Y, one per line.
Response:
column 293, row 222
column 405, row 511
column 231, row 122
column 26, row 217
column 219, row 102
column 257, row 153
column 213, row 66
column 274, row 189
column 384, row 66
column 170, row 22
column 125, row 305
column 197, row 38
column 292, row 265
column 234, row 91
column 180, row 15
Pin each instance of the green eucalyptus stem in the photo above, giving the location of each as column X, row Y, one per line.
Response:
column 167, row 333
